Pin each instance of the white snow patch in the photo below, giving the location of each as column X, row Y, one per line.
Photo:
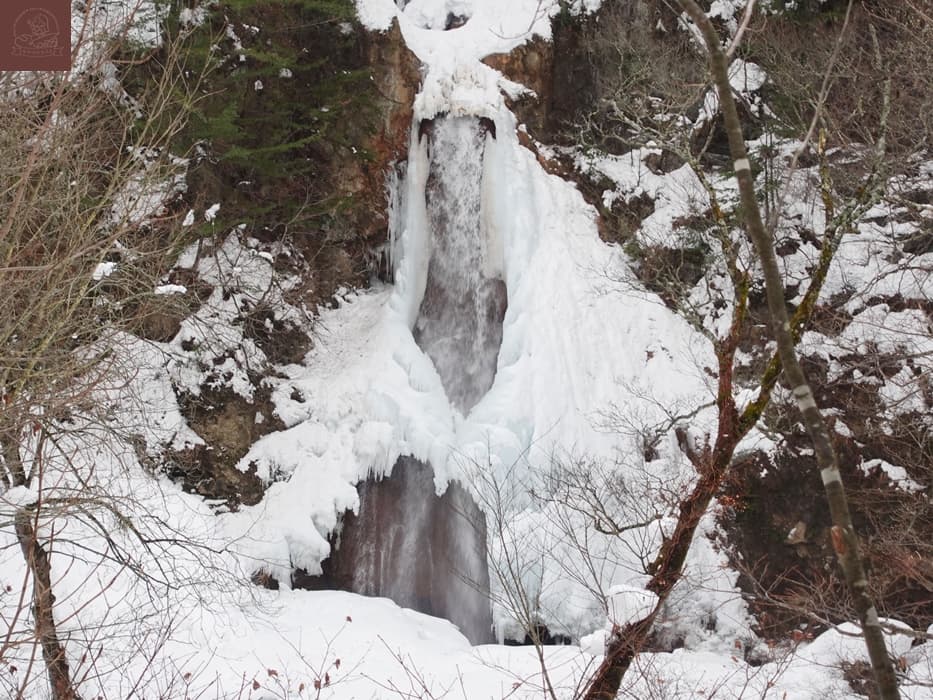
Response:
column 104, row 269
column 171, row 289
column 746, row 77
column 897, row 475
column 17, row 497
column 629, row 604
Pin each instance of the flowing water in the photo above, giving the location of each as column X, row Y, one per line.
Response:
column 423, row 551
column 459, row 324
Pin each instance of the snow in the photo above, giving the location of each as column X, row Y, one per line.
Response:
column 148, row 191
column 192, row 17
column 746, row 77
column 17, row 497
column 171, row 289
column 628, row 604
column 898, row 475
column 676, row 195
column 104, row 269
column 844, row 643
column 879, row 331
column 212, row 349
column 491, row 26
column 142, row 398
column 724, row 9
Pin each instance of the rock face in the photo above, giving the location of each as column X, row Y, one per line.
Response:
column 227, row 423
column 560, row 87
column 531, row 65
column 397, row 75
column 302, row 152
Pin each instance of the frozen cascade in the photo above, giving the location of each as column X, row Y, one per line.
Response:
column 406, row 543
column 459, row 324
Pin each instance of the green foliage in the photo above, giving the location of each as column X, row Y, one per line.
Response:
column 284, row 102
column 635, row 250
column 565, row 16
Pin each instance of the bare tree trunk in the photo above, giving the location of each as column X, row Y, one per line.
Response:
column 713, row 464
column 844, row 539
column 43, row 600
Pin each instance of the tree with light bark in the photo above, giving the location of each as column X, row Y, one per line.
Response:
column 714, row 458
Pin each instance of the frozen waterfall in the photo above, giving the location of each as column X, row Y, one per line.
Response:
column 459, row 324
column 425, row 551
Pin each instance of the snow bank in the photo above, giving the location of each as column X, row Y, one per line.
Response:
column 628, row 604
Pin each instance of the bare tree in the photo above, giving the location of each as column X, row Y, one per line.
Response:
column 713, row 459
column 845, row 541
column 87, row 182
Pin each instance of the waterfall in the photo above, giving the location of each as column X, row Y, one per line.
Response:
column 423, row 551
column 459, row 324
column 406, row 543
